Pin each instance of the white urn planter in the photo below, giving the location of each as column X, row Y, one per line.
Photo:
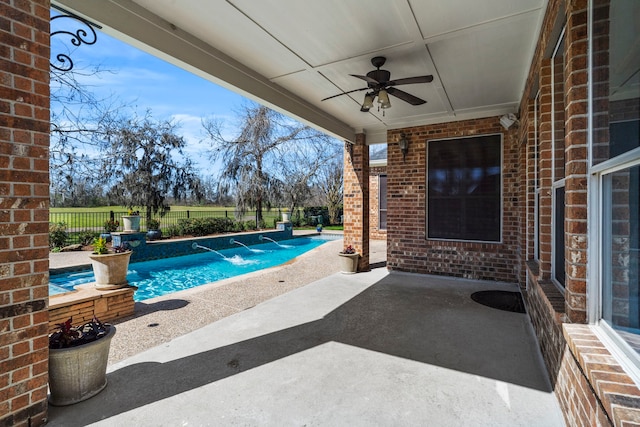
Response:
column 110, row 270
column 131, row 223
column 285, row 216
column 349, row 263
column 78, row 373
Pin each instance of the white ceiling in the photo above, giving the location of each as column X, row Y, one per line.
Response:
column 290, row 54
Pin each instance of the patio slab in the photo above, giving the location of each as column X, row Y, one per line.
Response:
column 373, row 348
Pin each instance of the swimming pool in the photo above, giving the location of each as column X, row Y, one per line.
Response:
column 168, row 275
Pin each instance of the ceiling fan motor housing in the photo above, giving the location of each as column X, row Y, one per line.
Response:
column 381, row 76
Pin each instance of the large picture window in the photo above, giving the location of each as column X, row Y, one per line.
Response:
column 464, row 188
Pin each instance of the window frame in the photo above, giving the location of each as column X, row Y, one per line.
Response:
column 501, row 195
column 380, row 209
column 556, row 182
column 614, row 343
column 621, row 350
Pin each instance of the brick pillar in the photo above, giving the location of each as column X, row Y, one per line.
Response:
column 24, row 211
column 530, row 173
column 576, row 155
column 356, row 199
column 545, row 144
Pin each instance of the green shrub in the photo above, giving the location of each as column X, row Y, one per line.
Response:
column 205, row 226
column 111, row 225
column 153, row 224
column 174, row 231
column 86, row 237
column 58, row 235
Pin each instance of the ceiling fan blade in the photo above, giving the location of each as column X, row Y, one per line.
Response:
column 366, row 79
column 344, row 93
column 411, row 80
column 407, row 97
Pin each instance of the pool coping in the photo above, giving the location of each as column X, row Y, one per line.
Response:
column 84, row 266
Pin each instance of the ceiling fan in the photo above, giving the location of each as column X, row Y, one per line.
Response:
column 380, row 85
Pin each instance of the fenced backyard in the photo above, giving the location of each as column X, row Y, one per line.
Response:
column 80, row 223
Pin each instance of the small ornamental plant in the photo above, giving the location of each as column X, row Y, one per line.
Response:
column 153, row 224
column 68, row 335
column 100, row 246
column 349, row 250
column 124, row 247
column 111, row 225
column 131, row 212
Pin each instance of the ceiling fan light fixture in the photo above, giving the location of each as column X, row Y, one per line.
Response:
column 383, row 99
column 368, row 102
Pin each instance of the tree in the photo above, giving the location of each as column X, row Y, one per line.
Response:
column 79, row 119
column 143, row 163
column 332, row 186
column 270, row 153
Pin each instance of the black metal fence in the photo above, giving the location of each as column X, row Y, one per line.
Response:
column 83, row 223
column 77, row 221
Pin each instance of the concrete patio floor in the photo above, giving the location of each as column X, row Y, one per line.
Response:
column 374, row 348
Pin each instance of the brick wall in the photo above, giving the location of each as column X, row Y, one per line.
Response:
column 86, row 302
column 407, row 246
column 545, row 303
column 24, row 216
column 590, row 385
column 374, row 203
column 356, row 199
column 576, row 155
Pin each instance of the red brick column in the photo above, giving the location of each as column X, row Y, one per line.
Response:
column 356, row 199
column 576, row 155
column 545, row 172
column 24, row 214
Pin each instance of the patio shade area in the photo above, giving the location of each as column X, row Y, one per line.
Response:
column 375, row 348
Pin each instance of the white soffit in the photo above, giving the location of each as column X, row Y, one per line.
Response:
column 290, row 54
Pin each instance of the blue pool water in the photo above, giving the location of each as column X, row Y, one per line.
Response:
column 167, row 275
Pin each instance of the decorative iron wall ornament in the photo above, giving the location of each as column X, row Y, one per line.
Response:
column 81, row 36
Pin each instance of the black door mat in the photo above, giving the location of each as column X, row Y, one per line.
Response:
column 502, row 300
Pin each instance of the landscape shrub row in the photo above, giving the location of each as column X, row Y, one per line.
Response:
column 60, row 237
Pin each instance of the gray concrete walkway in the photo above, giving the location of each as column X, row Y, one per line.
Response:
column 367, row 349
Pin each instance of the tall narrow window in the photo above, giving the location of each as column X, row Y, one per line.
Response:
column 464, row 189
column 557, row 126
column 536, row 210
column 382, row 199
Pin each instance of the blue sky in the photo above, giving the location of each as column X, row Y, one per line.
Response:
column 147, row 82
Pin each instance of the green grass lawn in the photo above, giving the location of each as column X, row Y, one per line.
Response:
column 94, row 218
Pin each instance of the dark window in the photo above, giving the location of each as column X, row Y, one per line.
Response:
column 463, row 188
column 558, row 231
column 382, row 199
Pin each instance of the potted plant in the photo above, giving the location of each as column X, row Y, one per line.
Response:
column 110, row 267
column 285, row 215
column 78, row 361
column 131, row 221
column 349, row 258
column 110, row 226
column 153, row 229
